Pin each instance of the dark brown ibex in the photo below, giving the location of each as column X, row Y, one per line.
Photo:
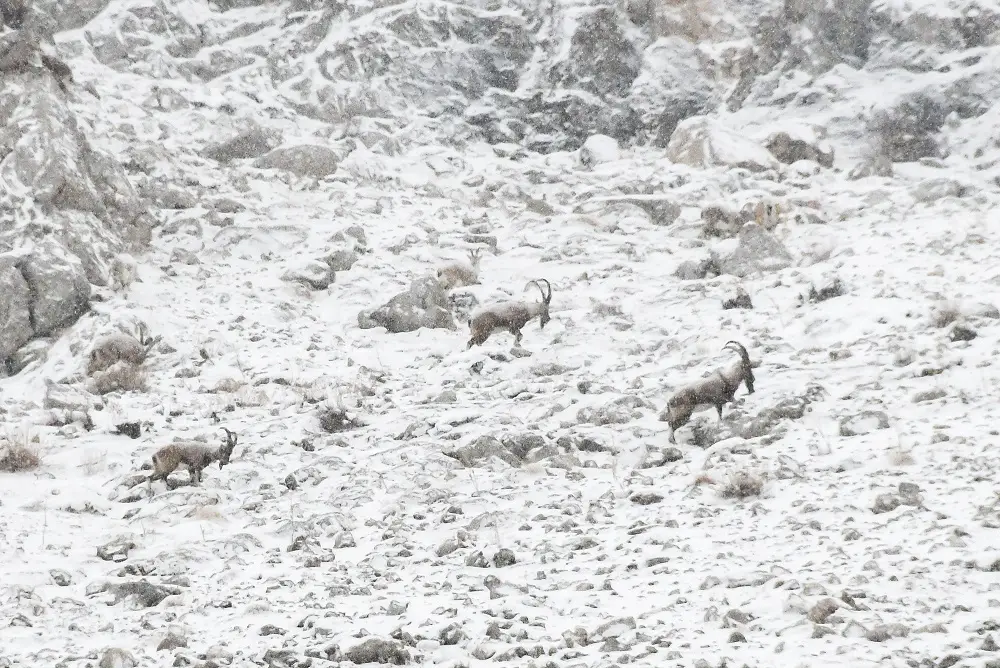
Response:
column 510, row 316
column 717, row 390
column 192, row 455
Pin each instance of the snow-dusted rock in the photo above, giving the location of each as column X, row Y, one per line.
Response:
column 701, row 141
column 302, row 160
column 252, row 142
column 754, row 250
column 58, row 284
column 599, row 149
column 424, row 304
column 314, row 274
column 15, row 308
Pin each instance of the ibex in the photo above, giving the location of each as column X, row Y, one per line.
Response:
column 716, row 390
column 120, row 347
column 193, row 455
column 460, row 274
column 510, row 316
column 124, row 271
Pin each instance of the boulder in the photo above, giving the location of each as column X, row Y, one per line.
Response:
column 424, row 304
column 301, row 160
column 599, row 149
column 599, row 58
column 252, row 142
column 703, row 142
column 15, row 313
column 60, row 291
column 670, row 88
column 755, row 250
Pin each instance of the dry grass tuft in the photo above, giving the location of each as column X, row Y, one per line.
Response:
column 944, row 313
column 15, row 457
column 120, row 377
column 703, row 479
column 742, row 485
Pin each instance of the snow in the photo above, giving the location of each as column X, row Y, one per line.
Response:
column 656, row 579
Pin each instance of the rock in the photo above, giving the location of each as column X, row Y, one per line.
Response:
column 15, row 309
column 720, row 221
column 425, row 304
column 863, row 423
column 375, row 650
column 341, row 259
column 820, row 612
column 756, row 250
column 885, row 503
column 504, row 557
column 973, row 309
column 597, row 150
column 618, row 411
column 59, row 396
column 931, row 190
column 481, row 450
column 314, row 274
column 61, row 577
column 344, row 539
column 117, row 658
column 693, row 270
column 801, row 142
column 671, row 87
column 600, row 59
column 91, row 208
column 117, row 550
column 302, row 160
column 174, row 639
column 58, row 286
column 164, row 195
column 646, row 498
column 704, row 142
column 253, row 142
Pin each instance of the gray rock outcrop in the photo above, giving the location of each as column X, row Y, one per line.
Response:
column 424, row 304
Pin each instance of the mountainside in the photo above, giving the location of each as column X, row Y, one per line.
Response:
column 238, row 215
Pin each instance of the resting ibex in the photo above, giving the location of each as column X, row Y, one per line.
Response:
column 193, row 455
column 460, row 274
column 120, row 347
column 716, row 390
column 510, row 316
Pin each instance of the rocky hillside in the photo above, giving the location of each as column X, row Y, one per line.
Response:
column 240, row 215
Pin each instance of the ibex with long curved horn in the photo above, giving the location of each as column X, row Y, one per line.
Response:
column 717, row 390
column 510, row 316
column 192, row 455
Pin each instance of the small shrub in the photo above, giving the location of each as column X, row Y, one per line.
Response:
column 334, row 419
column 15, row 457
column 944, row 313
column 742, row 485
column 120, row 377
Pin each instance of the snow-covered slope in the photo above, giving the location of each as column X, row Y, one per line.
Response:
column 517, row 506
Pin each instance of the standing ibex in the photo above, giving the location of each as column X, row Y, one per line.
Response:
column 510, row 316
column 459, row 274
column 716, row 390
column 193, row 455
